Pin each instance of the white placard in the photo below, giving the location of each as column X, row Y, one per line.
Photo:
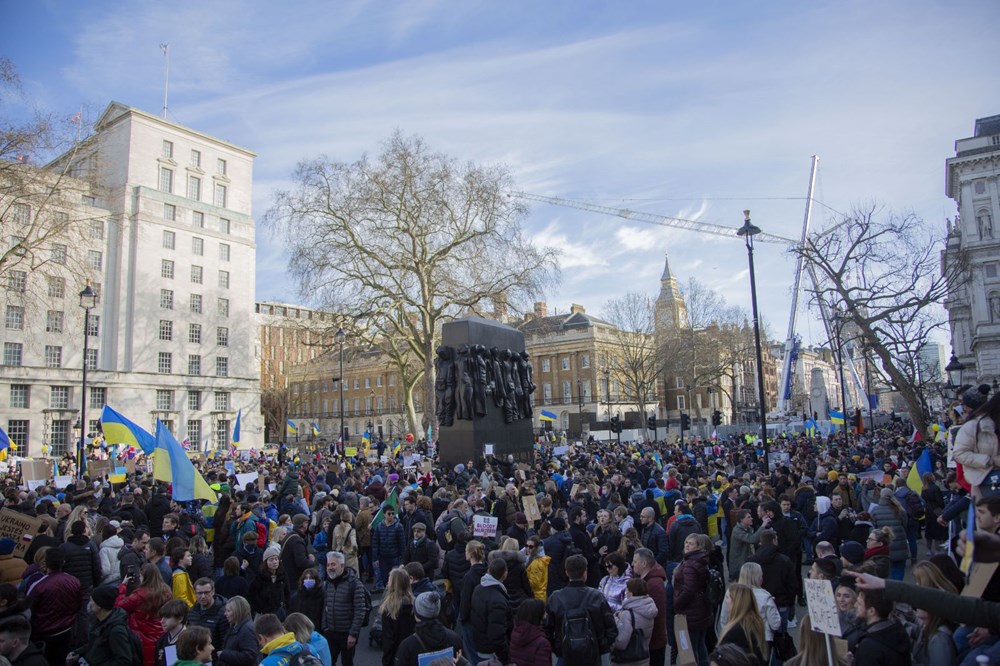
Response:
column 34, row 483
column 560, row 450
column 876, row 475
column 822, row 607
column 484, row 526
column 170, row 655
column 63, row 480
column 488, row 449
column 708, row 450
column 243, row 479
column 272, row 487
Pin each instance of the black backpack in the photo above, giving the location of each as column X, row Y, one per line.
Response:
column 305, row 658
column 716, row 589
column 579, row 645
column 136, row 643
column 368, row 600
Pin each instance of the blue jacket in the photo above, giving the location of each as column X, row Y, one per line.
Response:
column 321, row 648
column 388, row 541
column 281, row 650
column 654, row 537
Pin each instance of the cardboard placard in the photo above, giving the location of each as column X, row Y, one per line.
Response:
column 426, row 466
column 34, row 470
column 97, row 469
column 822, row 606
column 22, row 529
column 531, row 509
column 560, row 450
column 260, row 484
column 484, row 526
column 63, row 480
column 243, row 479
column 130, row 466
column 685, row 650
column 982, row 572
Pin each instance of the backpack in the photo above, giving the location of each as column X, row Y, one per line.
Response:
column 914, row 506
column 368, row 600
column 305, row 658
column 136, row 643
column 716, row 590
column 579, row 645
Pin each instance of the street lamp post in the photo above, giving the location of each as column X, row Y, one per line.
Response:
column 838, row 321
column 868, row 393
column 579, row 393
column 954, row 370
column 88, row 300
column 748, row 231
column 341, row 336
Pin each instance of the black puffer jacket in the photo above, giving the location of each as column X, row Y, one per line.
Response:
column 240, row 647
column 395, row 630
column 779, row 574
column 343, row 604
column 469, row 584
column 517, row 584
column 577, row 595
column 110, row 643
column 83, row 562
column 556, row 547
column 267, row 594
column 212, row 618
column 428, row 636
column 455, row 567
column 491, row 618
column 884, row 643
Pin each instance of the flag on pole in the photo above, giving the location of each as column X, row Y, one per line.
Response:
column 715, row 434
column 186, row 443
column 811, row 427
column 4, row 444
column 315, row 429
column 397, row 448
column 917, row 436
column 236, row 428
column 546, row 415
column 291, row 427
column 836, row 417
column 171, row 464
column 366, row 440
column 922, row 465
column 119, row 430
column 393, row 501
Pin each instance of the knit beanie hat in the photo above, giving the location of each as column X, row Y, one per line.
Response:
column 853, row 552
column 272, row 551
column 427, row 605
column 104, row 596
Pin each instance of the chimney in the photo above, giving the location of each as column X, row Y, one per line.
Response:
column 541, row 310
column 577, row 309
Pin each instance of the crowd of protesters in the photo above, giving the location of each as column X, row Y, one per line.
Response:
column 601, row 554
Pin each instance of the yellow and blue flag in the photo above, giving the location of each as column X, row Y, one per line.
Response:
column 4, row 444
column 547, row 416
column 171, row 464
column 812, row 428
column 291, row 427
column 836, row 417
column 366, row 440
column 397, row 447
column 119, row 430
column 915, row 479
column 315, row 429
column 236, row 428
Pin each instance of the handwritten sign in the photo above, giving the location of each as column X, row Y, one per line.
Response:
column 822, row 607
column 34, row 484
column 351, row 451
column 488, row 449
column 531, row 508
column 560, row 450
column 243, row 479
column 484, row 526
column 21, row 528
column 63, row 481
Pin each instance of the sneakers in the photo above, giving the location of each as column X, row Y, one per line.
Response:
column 791, row 623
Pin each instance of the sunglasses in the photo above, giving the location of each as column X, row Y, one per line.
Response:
column 531, row 545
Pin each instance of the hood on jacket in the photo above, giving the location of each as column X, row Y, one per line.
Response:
column 656, row 572
column 490, row 581
column 508, row 556
column 644, row 606
column 822, row 505
column 525, row 633
column 432, row 634
column 891, row 635
column 286, row 644
column 112, row 543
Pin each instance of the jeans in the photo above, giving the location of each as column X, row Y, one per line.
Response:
column 897, row 570
column 338, row 647
column 699, row 647
column 469, row 645
column 912, row 531
column 385, row 565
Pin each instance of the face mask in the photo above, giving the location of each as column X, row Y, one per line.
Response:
column 309, row 583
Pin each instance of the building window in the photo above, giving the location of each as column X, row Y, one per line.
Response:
column 166, row 330
column 167, row 269
column 547, row 393
column 164, row 400
column 567, row 392
column 54, row 321
column 14, row 319
column 195, row 158
column 98, row 397
column 222, row 336
column 586, row 390
column 169, row 212
column 21, row 214
column 166, row 180
column 97, row 229
column 681, row 403
column 223, row 279
column 59, row 397
column 194, row 433
column 53, row 356
column 57, row 287
column 378, row 381
column 194, row 188
column 990, row 271
column 224, row 225
column 194, row 334
column 169, row 240
column 194, row 400
column 58, row 437
column 90, row 359
column 195, row 303
column 95, row 260
column 546, row 365
column 198, row 246
column 197, row 219
column 194, row 364
column 222, row 401
column 585, row 361
column 222, row 432
column 168, row 149
column 59, row 254
column 20, row 396
column 993, row 303
column 17, row 281
column 223, row 307
column 196, row 274
column 678, row 383
column 220, row 195
column 12, row 353
column 94, row 325
column 220, row 167
column 164, row 363
column 166, row 299
column 17, row 429
column 221, row 366
column 224, row 251
column 357, row 406
column 564, row 363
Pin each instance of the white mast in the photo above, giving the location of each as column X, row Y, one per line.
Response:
column 166, row 76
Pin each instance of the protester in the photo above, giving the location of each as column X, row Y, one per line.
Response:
column 429, row 635
column 344, row 608
column 396, row 611
column 745, row 628
column 110, row 640
column 277, row 645
column 574, row 598
column 239, row 645
column 528, row 644
column 306, row 634
column 143, row 607
column 173, row 621
column 308, row 595
column 637, row 615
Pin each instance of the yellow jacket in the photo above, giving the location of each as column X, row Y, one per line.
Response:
column 538, row 576
column 182, row 587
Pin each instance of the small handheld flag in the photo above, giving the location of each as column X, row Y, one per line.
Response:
column 4, row 444
column 836, row 417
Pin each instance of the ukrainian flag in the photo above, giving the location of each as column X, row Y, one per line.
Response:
column 397, row 448
column 366, row 440
column 291, row 427
column 236, row 428
column 119, row 430
column 4, row 444
column 547, row 416
column 837, row 418
column 171, row 464
column 812, row 428
column 315, row 429
column 915, row 479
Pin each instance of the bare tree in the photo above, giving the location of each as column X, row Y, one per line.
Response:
column 403, row 243
column 882, row 271
column 633, row 346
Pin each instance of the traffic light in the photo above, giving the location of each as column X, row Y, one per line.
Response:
column 651, row 422
column 716, row 417
column 616, row 425
column 685, row 422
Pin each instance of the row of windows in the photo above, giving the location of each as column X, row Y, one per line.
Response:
column 564, row 363
column 379, row 406
column 17, row 281
column 197, row 273
column 195, row 158
column 166, row 333
column 20, row 215
column 59, row 398
column 54, row 321
column 220, row 192
column 167, row 303
column 165, row 364
column 197, row 245
column 13, row 355
column 58, row 437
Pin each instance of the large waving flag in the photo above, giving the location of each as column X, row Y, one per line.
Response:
column 315, row 429
column 547, row 416
column 291, row 427
column 915, row 479
column 4, row 444
column 393, row 501
column 366, row 440
column 917, row 436
column 119, row 430
column 811, row 427
column 236, row 428
column 170, row 463
column 836, row 417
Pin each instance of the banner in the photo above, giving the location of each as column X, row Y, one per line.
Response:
column 21, row 528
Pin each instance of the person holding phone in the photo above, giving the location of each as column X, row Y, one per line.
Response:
column 143, row 607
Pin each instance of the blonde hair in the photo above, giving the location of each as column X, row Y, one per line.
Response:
column 751, row 574
column 79, row 513
column 240, row 607
column 397, row 593
column 745, row 614
column 475, row 550
column 928, row 574
column 301, row 626
column 510, row 544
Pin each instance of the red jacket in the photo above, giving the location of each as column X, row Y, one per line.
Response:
column 529, row 646
column 147, row 626
column 55, row 603
column 690, row 585
column 656, row 581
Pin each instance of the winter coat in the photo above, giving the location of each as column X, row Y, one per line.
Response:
column 33, row 655
column 739, row 637
column 768, row 611
column 613, row 589
column 428, row 636
column 110, row 641
column 212, row 618
column 654, row 537
column 454, row 568
column 82, row 562
column 231, row 586
column 55, row 602
column 239, row 647
column 939, row 649
column 388, row 541
column 741, row 543
column 860, row 532
column 825, row 527
column 158, row 507
column 975, row 445
column 529, row 646
column 880, row 556
column 684, row 526
column 884, row 643
column 577, row 595
column 294, row 558
column 344, row 539
column 643, row 611
column 491, row 617
column 343, row 604
column 517, row 583
column 130, row 559
column 108, row 556
column 884, row 515
column 146, row 625
column 469, row 585
column 308, row 602
column 281, row 650
column 779, row 574
column 690, row 585
column 395, row 630
column 425, row 551
column 656, row 582
column 202, row 566
column 538, row 576
column 268, row 594
column 556, row 547
column 290, row 485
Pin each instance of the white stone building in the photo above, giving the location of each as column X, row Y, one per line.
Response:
column 175, row 335
column 974, row 304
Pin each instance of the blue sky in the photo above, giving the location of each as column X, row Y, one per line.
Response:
column 658, row 106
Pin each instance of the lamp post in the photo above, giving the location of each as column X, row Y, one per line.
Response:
column 954, row 370
column 838, row 321
column 868, row 392
column 687, row 408
column 579, row 393
column 88, row 301
column 748, row 231
column 341, row 336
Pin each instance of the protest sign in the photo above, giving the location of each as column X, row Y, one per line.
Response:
column 351, row 451
column 685, row 650
column 243, row 479
column 97, row 469
column 21, row 528
column 822, row 607
column 560, row 450
column 34, row 484
column 531, row 508
column 35, row 470
column 63, row 480
column 426, row 466
column 484, row 526
column 230, row 467
column 130, row 466
column 487, row 449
